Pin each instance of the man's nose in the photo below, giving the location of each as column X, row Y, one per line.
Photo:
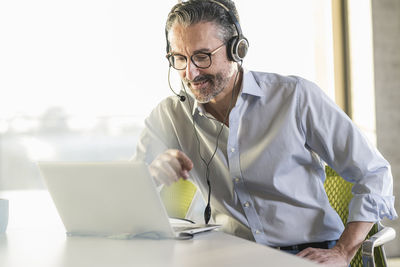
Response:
column 191, row 70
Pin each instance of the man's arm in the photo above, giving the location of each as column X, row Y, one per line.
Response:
column 345, row 249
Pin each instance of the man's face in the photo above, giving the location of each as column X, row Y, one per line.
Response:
column 205, row 84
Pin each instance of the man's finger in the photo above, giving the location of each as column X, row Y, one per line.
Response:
column 304, row 252
column 184, row 174
column 171, row 175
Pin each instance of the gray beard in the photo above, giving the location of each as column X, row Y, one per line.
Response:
column 216, row 82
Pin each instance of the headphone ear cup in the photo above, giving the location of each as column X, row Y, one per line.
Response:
column 242, row 46
column 237, row 48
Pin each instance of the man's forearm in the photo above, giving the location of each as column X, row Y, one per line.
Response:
column 352, row 237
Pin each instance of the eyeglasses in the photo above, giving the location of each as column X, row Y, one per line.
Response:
column 201, row 60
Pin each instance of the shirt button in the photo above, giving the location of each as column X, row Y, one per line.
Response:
column 237, row 180
column 257, row 232
column 246, row 204
column 201, row 113
column 232, row 149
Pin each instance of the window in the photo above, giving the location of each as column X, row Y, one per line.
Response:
column 77, row 78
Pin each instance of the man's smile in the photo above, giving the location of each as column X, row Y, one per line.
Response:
column 200, row 82
column 199, row 85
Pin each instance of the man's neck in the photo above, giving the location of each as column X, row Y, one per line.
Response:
column 221, row 106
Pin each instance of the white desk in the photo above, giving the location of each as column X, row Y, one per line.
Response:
column 44, row 245
column 53, row 249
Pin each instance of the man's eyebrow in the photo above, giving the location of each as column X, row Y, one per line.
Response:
column 201, row 50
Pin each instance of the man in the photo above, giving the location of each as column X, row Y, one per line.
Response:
column 260, row 141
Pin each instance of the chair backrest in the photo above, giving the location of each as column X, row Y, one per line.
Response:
column 339, row 195
column 178, row 197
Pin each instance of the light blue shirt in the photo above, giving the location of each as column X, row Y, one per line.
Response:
column 268, row 173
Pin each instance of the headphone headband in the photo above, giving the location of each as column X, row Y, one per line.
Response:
column 231, row 15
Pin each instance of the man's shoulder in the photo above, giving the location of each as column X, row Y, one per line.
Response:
column 279, row 81
column 272, row 82
column 171, row 108
column 171, row 103
column 273, row 78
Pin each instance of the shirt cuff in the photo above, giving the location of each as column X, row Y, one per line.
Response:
column 371, row 208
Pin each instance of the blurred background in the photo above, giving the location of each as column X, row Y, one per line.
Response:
column 78, row 78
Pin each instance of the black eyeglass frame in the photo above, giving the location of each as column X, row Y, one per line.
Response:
column 209, row 54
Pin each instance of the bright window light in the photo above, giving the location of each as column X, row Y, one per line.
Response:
column 361, row 66
column 78, row 78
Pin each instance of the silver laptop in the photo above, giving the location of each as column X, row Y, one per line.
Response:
column 114, row 199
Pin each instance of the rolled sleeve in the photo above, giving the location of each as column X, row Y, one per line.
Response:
column 371, row 208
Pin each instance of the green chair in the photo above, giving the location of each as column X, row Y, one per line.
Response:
column 372, row 252
column 177, row 198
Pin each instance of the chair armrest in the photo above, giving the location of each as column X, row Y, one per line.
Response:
column 383, row 236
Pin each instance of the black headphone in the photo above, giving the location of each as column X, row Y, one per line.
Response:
column 237, row 46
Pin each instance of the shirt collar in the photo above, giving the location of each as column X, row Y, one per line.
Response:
column 250, row 85
column 198, row 108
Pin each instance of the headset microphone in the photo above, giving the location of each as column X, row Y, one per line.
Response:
column 182, row 98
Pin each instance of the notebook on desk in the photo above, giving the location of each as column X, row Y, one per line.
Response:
column 114, row 199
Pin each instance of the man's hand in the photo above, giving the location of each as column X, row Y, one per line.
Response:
column 329, row 257
column 169, row 166
column 344, row 250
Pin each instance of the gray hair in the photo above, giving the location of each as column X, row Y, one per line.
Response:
column 195, row 11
